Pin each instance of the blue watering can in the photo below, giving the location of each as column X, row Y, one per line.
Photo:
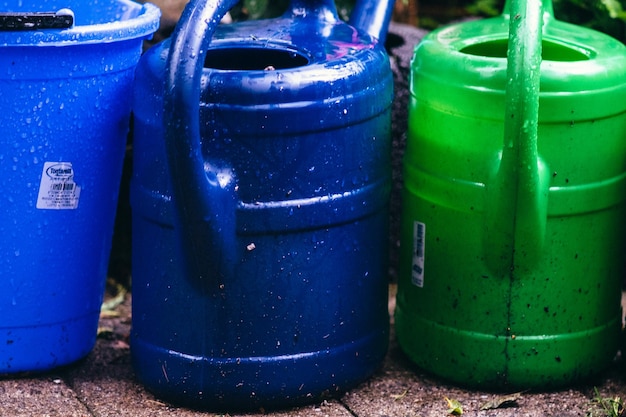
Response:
column 260, row 206
column 67, row 73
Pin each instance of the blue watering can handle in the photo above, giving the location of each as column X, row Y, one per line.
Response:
column 204, row 190
column 205, row 198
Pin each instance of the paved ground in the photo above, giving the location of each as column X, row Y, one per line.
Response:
column 103, row 385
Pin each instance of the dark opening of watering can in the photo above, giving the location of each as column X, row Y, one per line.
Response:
column 250, row 59
column 551, row 51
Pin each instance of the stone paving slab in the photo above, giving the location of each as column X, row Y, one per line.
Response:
column 401, row 390
column 44, row 396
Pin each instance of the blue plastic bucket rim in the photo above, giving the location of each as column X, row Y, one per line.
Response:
column 139, row 21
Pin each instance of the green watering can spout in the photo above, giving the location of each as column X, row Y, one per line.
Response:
column 518, row 192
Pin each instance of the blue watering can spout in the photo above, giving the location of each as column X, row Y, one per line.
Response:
column 370, row 16
column 373, row 16
column 323, row 10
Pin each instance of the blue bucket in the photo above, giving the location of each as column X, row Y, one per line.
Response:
column 66, row 76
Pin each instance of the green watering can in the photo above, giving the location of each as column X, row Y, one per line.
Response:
column 511, row 253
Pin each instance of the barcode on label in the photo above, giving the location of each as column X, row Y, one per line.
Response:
column 57, row 188
column 419, row 246
column 63, row 187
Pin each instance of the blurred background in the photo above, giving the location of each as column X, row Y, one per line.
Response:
column 604, row 15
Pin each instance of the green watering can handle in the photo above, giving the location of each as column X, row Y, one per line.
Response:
column 518, row 193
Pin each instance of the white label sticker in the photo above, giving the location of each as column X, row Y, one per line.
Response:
column 57, row 190
column 419, row 244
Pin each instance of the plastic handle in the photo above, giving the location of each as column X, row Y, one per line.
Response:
column 204, row 191
column 62, row 19
column 548, row 9
column 519, row 191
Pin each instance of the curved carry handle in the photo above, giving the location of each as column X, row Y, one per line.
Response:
column 546, row 5
column 204, row 190
column 204, row 195
column 14, row 21
column 518, row 193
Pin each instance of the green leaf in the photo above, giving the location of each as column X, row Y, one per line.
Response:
column 485, row 8
column 614, row 8
column 256, row 8
column 454, row 407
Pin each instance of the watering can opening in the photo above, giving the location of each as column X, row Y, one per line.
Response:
column 551, row 51
column 254, row 59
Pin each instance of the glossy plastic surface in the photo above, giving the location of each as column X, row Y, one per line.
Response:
column 260, row 192
column 64, row 115
column 511, row 258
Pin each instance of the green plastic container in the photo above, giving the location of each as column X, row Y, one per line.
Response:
column 513, row 235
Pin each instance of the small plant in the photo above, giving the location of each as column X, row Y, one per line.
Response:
column 606, row 407
column 455, row 408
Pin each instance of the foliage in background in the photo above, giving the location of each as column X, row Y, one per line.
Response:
column 604, row 15
column 258, row 9
column 608, row 16
column 486, row 8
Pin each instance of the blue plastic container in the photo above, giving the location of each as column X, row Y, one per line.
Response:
column 260, row 209
column 64, row 112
